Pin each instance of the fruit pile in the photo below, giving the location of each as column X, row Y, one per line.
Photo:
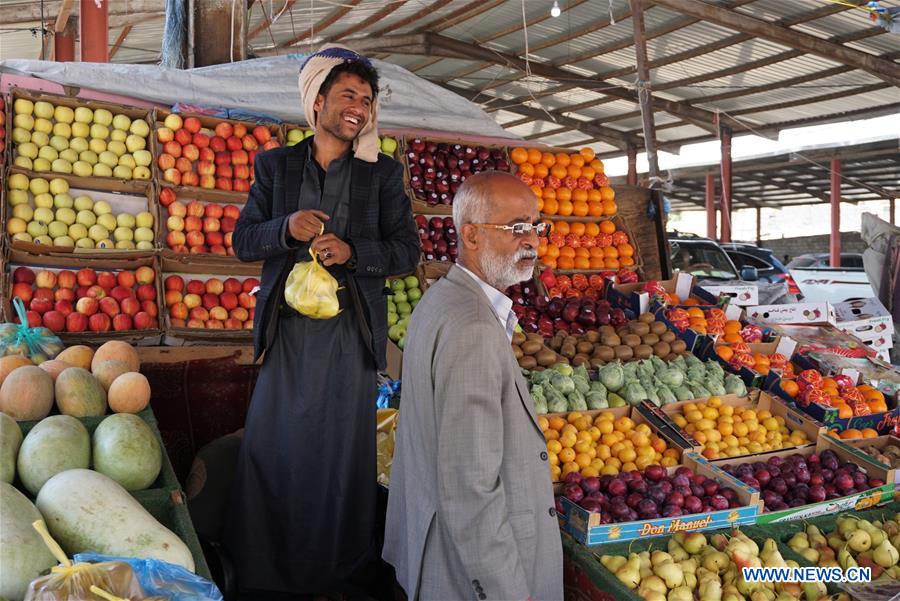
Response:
column 49, row 215
column 531, row 352
column 648, row 494
column 699, row 568
column 888, row 455
column 729, row 431
column 564, row 388
column 405, row 295
column 82, row 141
column 438, row 169
column 566, row 184
column 580, row 245
column 221, row 159
column 579, row 284
column 635, row 340
column 810, row 386
column 438, row 238
column 386, row 144
column 800, row 479
column 739, row 355
column 210, row 304
column 198, row 227
column 603, row 446
column 853, row 542
column 87, row 300
column 658, row 293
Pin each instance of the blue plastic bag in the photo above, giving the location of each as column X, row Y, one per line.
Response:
column 38, row 344
column 163, row 579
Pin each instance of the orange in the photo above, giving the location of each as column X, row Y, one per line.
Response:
column 541, row 170
column 696, row 312
column 551, row 207
column 732, row 327
column 562, row 227
column 548, row 193
column 607, row 227
column 869, row 433
column 563, row 194
column 871, row 394
column 732, row 338
column 594, row 195
column 577, row 160
column 548, row 159
column 610, row 208
column 844, row 411
column 614, row 264
column 596, row 263
column 851, row 433
column 877, row 406
column 626, row 261
column 595, row 209
column 557, row 422
column 579, row 195
column 625, row 250
column 565, row 263
column 558, row 171
column 573, row 171
column 562, row 159
column 596, row 252
column 725, row 352
column 587, row 154
column 518, row 155
column 582, row 252
column 597, row 165
column 567, row 251
column 582, row 263
column 579, row 209
column 588, row 173
column 534, row 156
column 610, row 252
column 608, row 193
column 538, row 191
column 792, row 389
column 527, row 169
column 577, row 228
column 565, row 208
column 549, row 262
column 591, row 229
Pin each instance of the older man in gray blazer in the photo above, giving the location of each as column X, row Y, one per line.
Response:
column 471, row 511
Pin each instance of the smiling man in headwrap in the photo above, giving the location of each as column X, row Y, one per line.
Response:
column 303, row 506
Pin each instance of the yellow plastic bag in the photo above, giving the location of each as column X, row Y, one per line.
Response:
column 311, row 290
column 386, row 424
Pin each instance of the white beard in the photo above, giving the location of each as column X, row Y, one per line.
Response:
column 502, row 271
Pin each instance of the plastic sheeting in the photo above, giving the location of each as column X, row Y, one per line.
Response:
column 268, row 85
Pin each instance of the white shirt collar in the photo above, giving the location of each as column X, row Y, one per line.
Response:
column 501, row 303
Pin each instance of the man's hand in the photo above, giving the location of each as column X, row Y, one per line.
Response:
column 306, row 225
column 332, row 249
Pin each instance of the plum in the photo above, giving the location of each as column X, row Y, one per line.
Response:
column 648, row 509
column 762, row 476
column 718, row 502
column 778, row 485
column 816, row 493
column 617, row 488
column 681, row 479
column 844, row 483
column 591, row 505
column 711, row 488
column 634, row 499
column 573, row 492
column 697, row 490
column 671, row 511
column 656, row 494
column 655, row 473
column 590, row 485
column 860, row 481
column 776, row 461
column 637, row 486
column 676, row 499
column 692, row 504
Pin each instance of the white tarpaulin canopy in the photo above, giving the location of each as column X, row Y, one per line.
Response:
column 268, row 86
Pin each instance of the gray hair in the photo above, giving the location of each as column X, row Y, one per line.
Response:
column 471, row 204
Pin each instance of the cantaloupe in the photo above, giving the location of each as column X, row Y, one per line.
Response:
column 55, row 444
column 79, row 394
column 108, row 371
column 10, row 363
column 126, row 450
column 23, row 554
column 54, row 367
column 77, row 356
column 129, row 393
column 10, row 441
column 27, row 394
column 116, row 350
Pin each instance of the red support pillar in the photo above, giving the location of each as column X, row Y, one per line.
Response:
column 835, row 213
column 64, row 42
column 725, row 204
column 94, row 31
column 632, row 165
column 711, row 206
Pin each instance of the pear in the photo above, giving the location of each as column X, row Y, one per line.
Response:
column 845, row 558
column 835, row 541
column 676, row 550
column 763, row 595
column 895, row 540
column 711, row 590
column 654, row 596
column 681, row 593
column 644, row 557
column 630, row 573
column 646, row 573
column 812, row 591
column 688, row 566
column 799, row 541
column 658, row 557
column 690, row 581
column 716, row 562
column 811, row 555
column 859, row 540
column 719, row 541
column 893, row 572
column 731, row 594
column 791, row 564
column 845, row 526
column 612, row 562
column 694, row 542
column 891, row 528
column 654, row 583
column 886, row 554
column 671, row 573
column 878, row 536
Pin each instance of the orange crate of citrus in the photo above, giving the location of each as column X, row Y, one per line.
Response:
column 589, row 245
column 568, row 185
column 835, row 392
column 606, row 441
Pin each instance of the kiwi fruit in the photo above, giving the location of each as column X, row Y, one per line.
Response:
column 605, row 353
column 662, row 349
column 527, row 362
column 581, row 359
column 631, row 340
column 650, row 339
column 561, row 359
column 640, row 328
column 643, row 351
column 518, row 338
column 607, row 331
column 535, row 337
column 568, row 350
column 556, row 343
column 592, row 337
column 584, row 348
column 597, row 362
column 658, row 328
column 623, row 352
column 611, row 340
column 517, row 352
column 647, row 318
column 545, row 358
column 678, row 346
column 531, row 347
column 570, row 340
column 668, row 336
column 671, row 357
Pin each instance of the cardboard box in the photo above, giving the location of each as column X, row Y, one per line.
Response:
column 693, row 339
column 751, row 377
column 797, row 313
column 867, row 319
column 857, row 501
column 586, row 526
column 742, row 296
column 879, row 443
column 631, row 297
column 394, row 360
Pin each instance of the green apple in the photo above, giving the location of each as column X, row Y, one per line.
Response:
column 86, row 218
column 395, row 332
column 125, row 220
column 78, row 144
column 404, row 308
column 38, row 185
column 145, row 245
column 126, row 160
column 57, row 228
column 63, row 114
column 295, row 135
column 49, row 153
column 21, row 136
column 400, row 296
column 40, row 139
column 108, row 221
column 98, row 233
column 36, row 228
column 99, row 131
column 43, row 110
column 84, row 115
column 109, row 158
column 41, row 165
column 117, row 135
column 62, row 129
column 139, row 127
column 309, row 133
column 90, row 157
column 24, row 163
column 59, row 143
column 84, row 203
column 17, row 197
column 101, row 207
column 143, row 219
column 23, row 106
column 389, row 145
column 24, row 122
column 69, row 155
column 43, row 214
column 118, row 148
column 105, row 244
column 66, row 216
column 61, row 166
column 392, row 318
column 121, row 122
column 43, row 201
column 135, row 143
column 27, row 149
column 143, row 234
column 43, row 125
column 411, row 282
column 14, row 226
column 64, row 242
column 123, row 233
column 22, row 237
column 103, row 117
column 77, row 231
column 101, row 170
column 84, row 242
column 23, row 212
column 18, row 181
column 141, row 172
column 125, row 245
column 398, row 285
column 81, row 130
column 63, row 201
column 97, row 145
column 142, row 158
column 82, row 169
column 414, row 294
column 45, row 239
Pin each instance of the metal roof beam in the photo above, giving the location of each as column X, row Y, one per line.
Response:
column 268, row 20
column 885, row 70
column 30, row 12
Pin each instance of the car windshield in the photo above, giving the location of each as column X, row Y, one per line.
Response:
column 703, row 260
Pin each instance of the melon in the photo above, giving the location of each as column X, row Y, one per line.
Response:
column 77, row 356
column 127, row 450
column 54, row 367
column 27, row 394
column 54, row 445
column 108, row 371
column 79, row 394
column 87, row 511
column 10, row 363
column 129, row 393
column 10, row 441
column 23, row 554
column 116, row 350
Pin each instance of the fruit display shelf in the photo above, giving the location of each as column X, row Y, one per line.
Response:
column 62, row 215
column 196, row 151
column 85, row 138
column 437, row 238
column 587, row 247
column 434, row 168
column 76, row 306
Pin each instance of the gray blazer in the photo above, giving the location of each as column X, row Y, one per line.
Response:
column 471, row 510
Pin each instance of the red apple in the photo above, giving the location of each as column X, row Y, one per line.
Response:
column 81, row 292
column 249, row 284
column 122, row 322
column 23, row 275
column 172, row 149
column 142, row 321
column 231, row 211
column 207, row 154
column 149, row 307
column 44, row 293
column 96, row 292
column 33, row 319
column 240, row 130
column 99, row 322
column 164, row 134
column 193, row 224
column 178, row 209
column 183, row 165
column 214, row 286
column 179, row 311
column 190, row 179
column 242, row 172
column 271, row 144
column 200, row 140
column 218, row 249
column 63, row 306
column 172, row 297
column 109, row 305
column 262, row 134
column 217, row 143
column 173, row 176
column 190, row 152
column 183, row 137
column 165, row 161
column 87, row 305
column 40, row 305
column 206, row 168
column 227, row 241
column 66, row 279
column 224, row 170
column 125, row 279
column 131, row 306
column 208, row 182
column 224, row 129
column 182, row 249
column 192, row 300
column 106, row 280
column 239, row 157
column 211, row 224
column 145, row 275
column 76, row 322
column 200, row 313
column 228, row 300
column 219, row 313
column 240, row 185
column 233, row 324
column 192, row 124
column 146, row 292
column 214, row 324
column 196, row 287
column 55, row 321
column 249, row 143
column 248, row 325
column 166, row 196
column 233, row 143
column 239, row 313
column 214, row 238
column 196, row 208
column 23, row 291
column 210, row 300
column 120, row 293
column 176, row 323
column 222, row 158
column 196, row 323
column 223, row 184
column 64, row 294
column 175, row 239
column 246, row 300
column 86, row 277
column 232, row 285
column 174, row 282
column 45, row 279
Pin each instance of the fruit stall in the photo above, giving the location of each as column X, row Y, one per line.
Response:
column 687, row 435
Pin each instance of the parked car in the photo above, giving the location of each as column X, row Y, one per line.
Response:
column 768, row 266
column 850, row 261
column 818, row 282
column 701, row 257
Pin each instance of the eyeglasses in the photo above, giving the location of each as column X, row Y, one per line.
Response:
column 519, row 229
